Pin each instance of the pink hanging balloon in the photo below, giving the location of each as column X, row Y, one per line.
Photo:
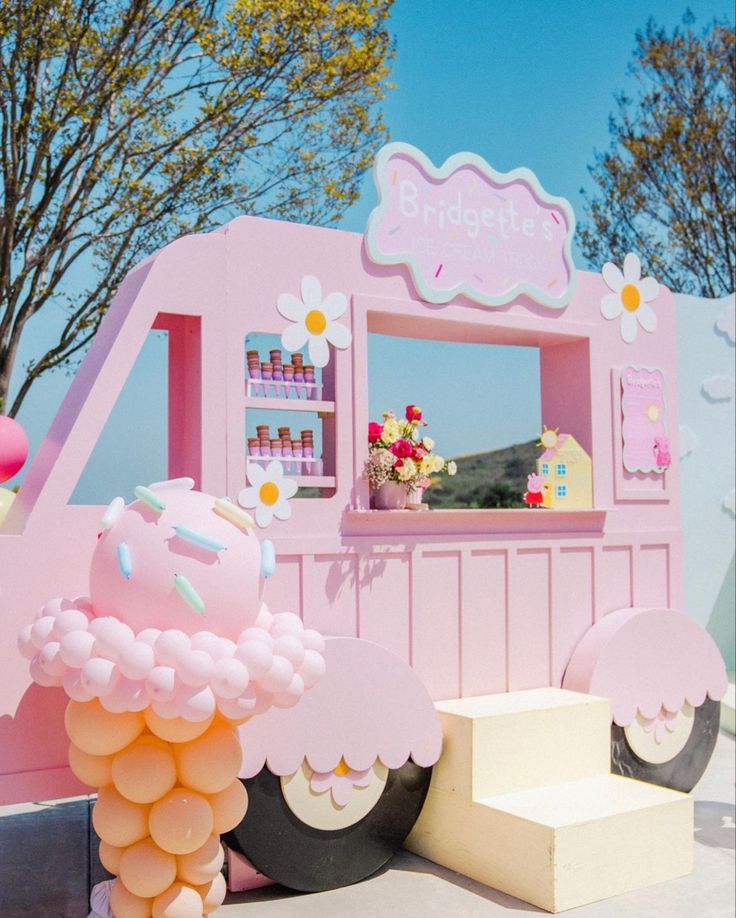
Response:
column 13, row 447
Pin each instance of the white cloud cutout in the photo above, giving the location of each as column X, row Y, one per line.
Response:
column 719, row 388
column 688, row 440
column 726, row 323
column 729, row 502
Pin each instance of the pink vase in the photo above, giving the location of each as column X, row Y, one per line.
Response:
column 391, row 495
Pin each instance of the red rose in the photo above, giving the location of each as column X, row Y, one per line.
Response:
column 413, row 413
column 375, row 432
column 419, row 453
column 402, row 449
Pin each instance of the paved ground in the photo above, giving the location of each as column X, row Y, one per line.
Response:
column 48, row 863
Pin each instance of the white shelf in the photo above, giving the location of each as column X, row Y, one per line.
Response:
column 290, row 404
column 314, row 481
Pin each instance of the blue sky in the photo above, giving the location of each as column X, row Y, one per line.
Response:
column 520, row 83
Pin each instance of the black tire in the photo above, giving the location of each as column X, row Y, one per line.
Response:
column 298, row 856
column 683, row 771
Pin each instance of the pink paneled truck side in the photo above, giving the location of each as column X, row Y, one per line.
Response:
column 476, row 602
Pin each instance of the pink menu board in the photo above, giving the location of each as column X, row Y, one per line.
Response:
column 466, row 229
column 643, row 418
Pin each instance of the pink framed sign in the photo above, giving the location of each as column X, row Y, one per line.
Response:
column 466, row 229
column 643, row 413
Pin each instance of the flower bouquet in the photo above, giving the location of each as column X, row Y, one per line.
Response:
column 401, row 460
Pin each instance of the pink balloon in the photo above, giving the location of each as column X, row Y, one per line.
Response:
column 170, row 645
column 99, row 676
column 136, row 660
column 127, row 695
column 195, row 704
column 313, row 640
column 195, row 667
column 230, row 678
column 312, row 668
column 256, row 656
column 264, row 618
column 290, row 647
column 237, row 708
column 292, row 694
column 256, row 634
column 226, row 648
column 13, row 447
column 286, row 623
column 51, row 660
column 39, row 675
column 161, row 683
column 69, row 620
column 25, row 643
column 41, row 631
column 166, row 709
column 148, row 636
column 53, row 607
column 278, row 677
column 72, row 683
column 76, row 648
column 208, row 642
column 111, row 636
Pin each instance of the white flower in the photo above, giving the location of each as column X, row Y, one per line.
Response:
column 630, row 297
column 438, row 463
column 428, row 444
column 268, row 493
column 406, row 470
column 313, row 319
column 452, row 468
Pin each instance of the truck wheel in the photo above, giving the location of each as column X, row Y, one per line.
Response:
column 671, row 750
column 305, row 842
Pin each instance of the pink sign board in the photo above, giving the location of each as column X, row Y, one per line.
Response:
column 467, row 229
column 643, row 413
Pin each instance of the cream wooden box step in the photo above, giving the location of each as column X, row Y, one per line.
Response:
column 495, row 744
column 522, row 800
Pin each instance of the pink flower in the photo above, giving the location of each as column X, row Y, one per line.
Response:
column 375, row 431
column 402, row 449
column 413, row 413
column 340, row 782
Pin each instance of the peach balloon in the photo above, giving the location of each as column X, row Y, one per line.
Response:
column 145, row 770
column 110, row 857
column 179, row 901
column 213, row 894
column 202, row 865
column 94, row 730
column 209, row 763
column 146, row 870
column 229, row 806
column 181, row 821
column 176, row 729
column 126, row 905
column 95, row 770
column 118, row 821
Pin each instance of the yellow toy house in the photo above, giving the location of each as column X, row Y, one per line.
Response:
column 568, row 471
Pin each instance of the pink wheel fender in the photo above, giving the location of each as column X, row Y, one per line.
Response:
column 647, row 659
column 369, row 705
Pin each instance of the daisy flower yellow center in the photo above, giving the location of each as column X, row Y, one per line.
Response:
column 630, row 297
column 269, row 493
column 315, row 322
column 653, row 413
column 342, row 768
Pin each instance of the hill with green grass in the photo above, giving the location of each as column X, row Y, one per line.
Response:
column 493, row 479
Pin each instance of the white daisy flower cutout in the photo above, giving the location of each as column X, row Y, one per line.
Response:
column 314, row 321
column 269, row 493
column 630, row 298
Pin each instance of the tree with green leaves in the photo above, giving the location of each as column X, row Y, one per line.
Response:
column 126, row 123
column 667, row 185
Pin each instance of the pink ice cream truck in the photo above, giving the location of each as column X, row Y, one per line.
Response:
column 475, row 658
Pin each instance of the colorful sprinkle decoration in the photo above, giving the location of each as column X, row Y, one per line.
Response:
column 185, row 483
column 149, row 497
column 114, row 509
column 554, row 217
column 233, row 514
column 199, row 539
column 437, row 272
column 187, row 592
column 125, row 562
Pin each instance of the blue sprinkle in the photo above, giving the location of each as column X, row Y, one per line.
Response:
column 198, row 538
column 124, row 560
column 268, row 558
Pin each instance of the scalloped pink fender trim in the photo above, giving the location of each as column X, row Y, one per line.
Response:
column 647, row 659
column 368, row 705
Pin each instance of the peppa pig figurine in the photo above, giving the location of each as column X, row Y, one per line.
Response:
column 662, row 455
column 534, row 496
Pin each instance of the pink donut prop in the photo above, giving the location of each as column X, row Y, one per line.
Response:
column 13, row 447
column 172, row 652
